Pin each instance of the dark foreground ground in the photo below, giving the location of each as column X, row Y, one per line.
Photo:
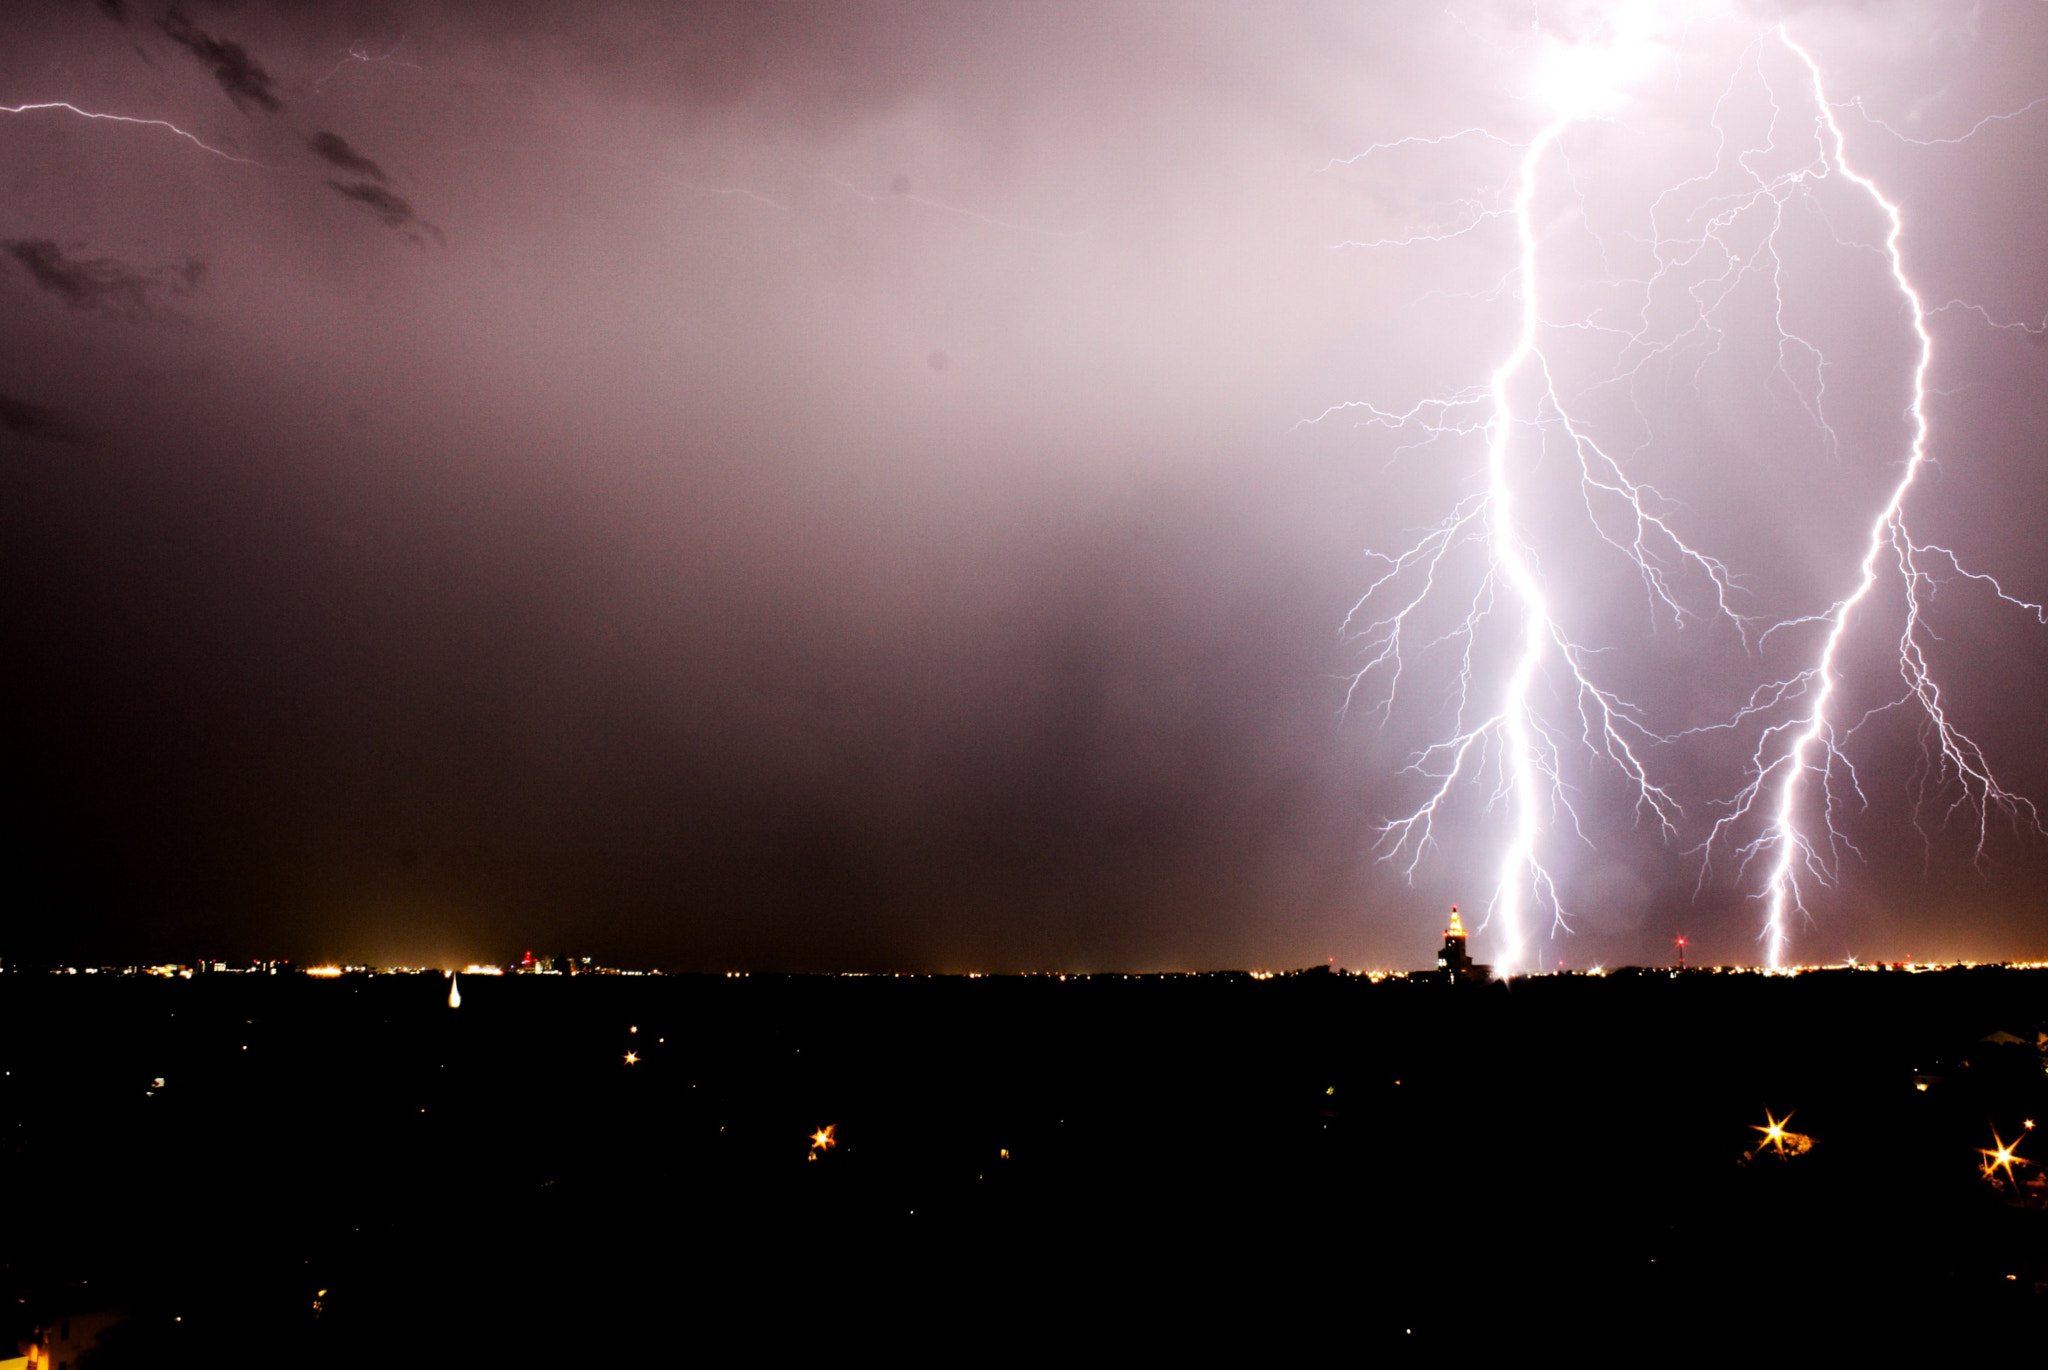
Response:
column 1022, row 1165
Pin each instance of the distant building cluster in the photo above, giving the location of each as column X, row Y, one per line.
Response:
column 186, row 970
column 1454, row 965
column 65, row 1341
column 179, row 970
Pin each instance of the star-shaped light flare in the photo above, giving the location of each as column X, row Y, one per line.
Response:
column 2000, row 1159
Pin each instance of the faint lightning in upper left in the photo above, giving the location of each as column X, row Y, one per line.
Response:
column 189, row 137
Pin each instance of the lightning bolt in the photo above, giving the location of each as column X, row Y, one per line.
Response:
column 165, row 124
column 1523, row 758
column 1807, row 747
column 1972, row 131
column 1506, row 733
column 360, row 52
column 1526, row 693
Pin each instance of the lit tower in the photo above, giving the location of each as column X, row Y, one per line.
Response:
column 1454, row 962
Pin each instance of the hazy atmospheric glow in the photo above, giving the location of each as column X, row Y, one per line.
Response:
column 1619, row 51
column 881, row 487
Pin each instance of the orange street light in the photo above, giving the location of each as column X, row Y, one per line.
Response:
column 2001, row 1158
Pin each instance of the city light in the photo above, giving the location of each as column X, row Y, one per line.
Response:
column 1779, row 1137
column 2000, row 1160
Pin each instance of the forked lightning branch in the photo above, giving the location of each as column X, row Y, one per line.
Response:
column 1528, row 695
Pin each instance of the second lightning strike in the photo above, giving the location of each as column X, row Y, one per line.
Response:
column 1786, row 842
column 1501, row 740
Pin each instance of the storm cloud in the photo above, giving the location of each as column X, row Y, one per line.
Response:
column 392, row 209
column 334, row 150
column 26, row 420
column 101, row 285
column 246, row 82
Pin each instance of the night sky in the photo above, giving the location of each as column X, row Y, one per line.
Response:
column 822, row 487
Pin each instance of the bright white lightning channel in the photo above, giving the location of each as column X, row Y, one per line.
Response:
column 1510, row 736
column 1814, row 749
column 1520, row 758
column 67, row 107
column 1502, row 730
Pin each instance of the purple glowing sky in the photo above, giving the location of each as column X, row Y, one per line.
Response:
column 820, row 485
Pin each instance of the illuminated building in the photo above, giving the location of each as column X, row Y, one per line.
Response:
column 63, row 1342
column 1454, row 963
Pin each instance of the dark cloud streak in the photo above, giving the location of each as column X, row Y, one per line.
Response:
column 94, row 285
column 26, row 420
column 238, row 73
column 334, row 150
column 393, row 210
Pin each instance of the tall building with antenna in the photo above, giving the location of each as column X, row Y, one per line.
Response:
column 1454, row 963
